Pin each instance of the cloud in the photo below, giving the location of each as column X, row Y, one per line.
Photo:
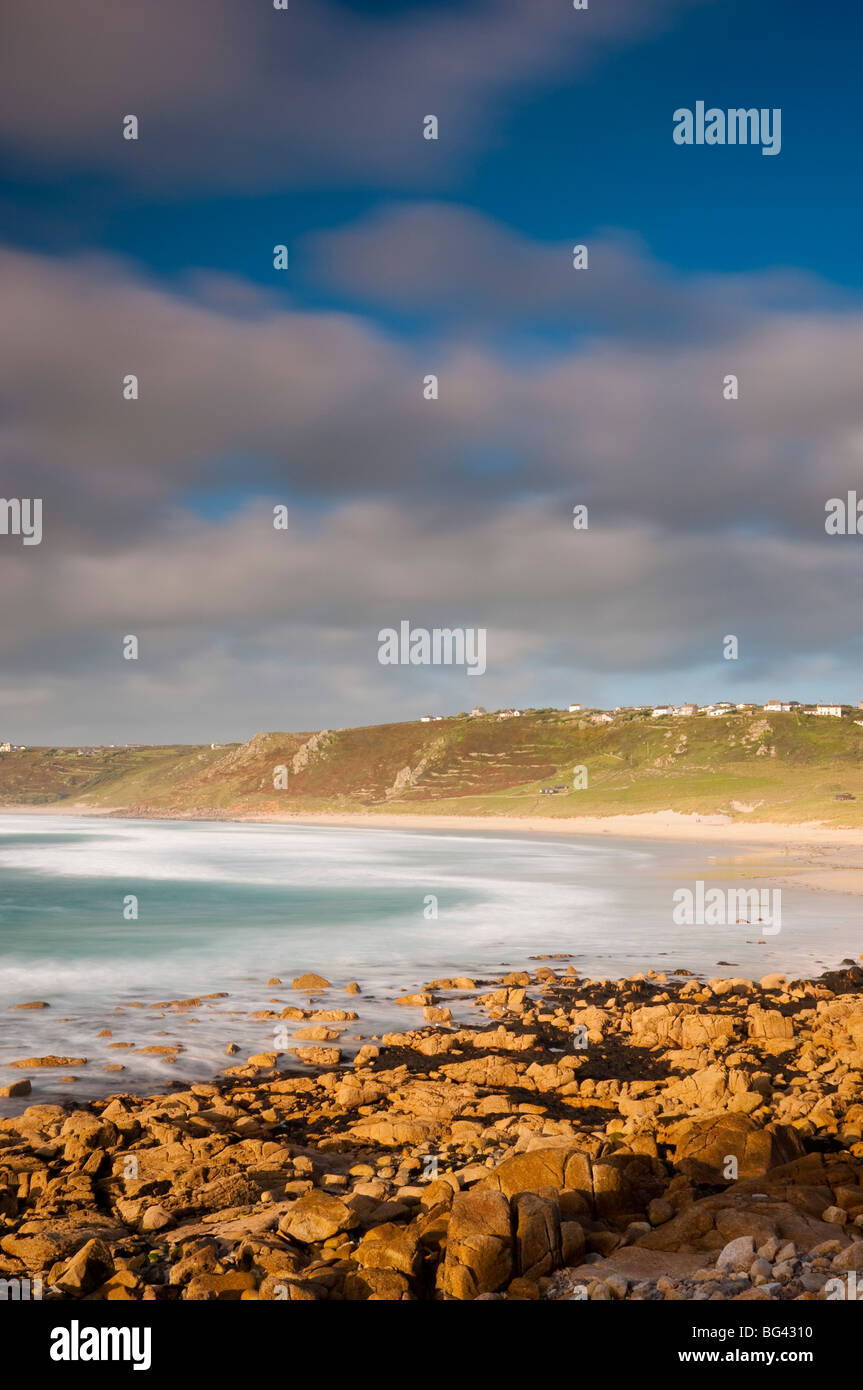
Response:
column 243, row 627
column 457, row 264
column 706, row 516
column 241, row 392
column 234, row 94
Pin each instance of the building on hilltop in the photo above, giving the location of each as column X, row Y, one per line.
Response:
column 478, row 709
column 834, row 710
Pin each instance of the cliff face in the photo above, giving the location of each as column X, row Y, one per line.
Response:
column 782, row 767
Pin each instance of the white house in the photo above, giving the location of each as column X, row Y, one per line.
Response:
column 602, row 718
column 773, row 706
column 5, row 747
column 659, row 710
column 509, row 714
column 835, row 710
column 426, row 719
column 685, row 710
column 478, row 709
column 574, row 709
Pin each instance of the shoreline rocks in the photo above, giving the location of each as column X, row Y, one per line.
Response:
column 652, row 1138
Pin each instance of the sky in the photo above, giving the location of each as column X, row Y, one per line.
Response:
column 303, row 387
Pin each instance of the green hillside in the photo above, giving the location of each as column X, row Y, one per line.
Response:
column 754, row 766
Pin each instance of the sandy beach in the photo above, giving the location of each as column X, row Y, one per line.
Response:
column 650, row 825
column 816, row 856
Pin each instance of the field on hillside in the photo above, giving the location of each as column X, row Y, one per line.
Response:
column 780, row 767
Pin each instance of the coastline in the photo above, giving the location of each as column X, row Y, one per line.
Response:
column 651, row 825
column 822, row 858
column 421, row 1172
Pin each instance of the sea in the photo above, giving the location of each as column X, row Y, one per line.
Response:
column 104, row 919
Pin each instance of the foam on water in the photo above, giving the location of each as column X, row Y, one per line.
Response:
column 226, row 906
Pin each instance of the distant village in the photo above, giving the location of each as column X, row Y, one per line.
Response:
column 81, row 752
column 721, row 709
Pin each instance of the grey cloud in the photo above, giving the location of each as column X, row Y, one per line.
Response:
column 238, row 386
column 456, row 263
column 283, row 626
column 243, row 96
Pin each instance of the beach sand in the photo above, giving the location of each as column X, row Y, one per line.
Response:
column 809, row 854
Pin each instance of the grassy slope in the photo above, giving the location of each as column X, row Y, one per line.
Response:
column 787, row 767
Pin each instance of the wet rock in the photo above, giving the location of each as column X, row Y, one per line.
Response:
column 318, row 1056
column 16, row 1088
column 49, row 1061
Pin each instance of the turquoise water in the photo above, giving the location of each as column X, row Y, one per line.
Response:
column 224, row 907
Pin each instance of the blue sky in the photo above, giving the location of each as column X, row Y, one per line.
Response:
column 408, row 257
column 569, row 157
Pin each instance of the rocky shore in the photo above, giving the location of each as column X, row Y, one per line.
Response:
column 654, row 1138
